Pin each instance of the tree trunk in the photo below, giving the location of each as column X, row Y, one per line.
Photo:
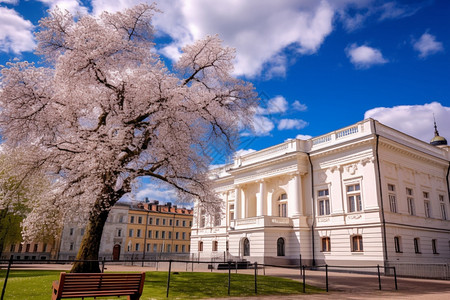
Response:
column 87, row 257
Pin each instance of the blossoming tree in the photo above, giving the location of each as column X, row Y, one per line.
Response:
column 106, row 110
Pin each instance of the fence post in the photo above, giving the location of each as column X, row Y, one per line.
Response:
column 326, row 275
column 395, row 278
column 168, row 279
column 256, row 274
column 304, row 279
column 379, row 278
column 103, row 265
column 229, row 277
column 6, row 278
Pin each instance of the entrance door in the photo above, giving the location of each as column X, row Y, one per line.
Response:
column 116, row 252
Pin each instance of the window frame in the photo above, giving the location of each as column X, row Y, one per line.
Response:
column 281, row 247
column 392, row 196
column 325, row 244
column 323, row 202
column 398, row 244
column 357, row 243
column 417, row 246
column 354, row 197
column 410, row 201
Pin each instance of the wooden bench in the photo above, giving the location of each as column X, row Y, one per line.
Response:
column 83, row 285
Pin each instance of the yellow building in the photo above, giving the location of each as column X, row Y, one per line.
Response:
column 155, row 229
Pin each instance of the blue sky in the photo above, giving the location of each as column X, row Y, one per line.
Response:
column 317, row 65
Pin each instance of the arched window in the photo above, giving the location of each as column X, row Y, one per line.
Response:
column 282, row 205
column 200, row 246
column 246, row 247
column 280, row 247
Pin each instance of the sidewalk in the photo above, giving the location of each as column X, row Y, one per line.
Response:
column 341, row 285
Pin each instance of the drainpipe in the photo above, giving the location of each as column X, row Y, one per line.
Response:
column 313, row 212
column 448, row 187
column 381, row 197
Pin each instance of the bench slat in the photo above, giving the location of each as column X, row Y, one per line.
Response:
column 78, row 285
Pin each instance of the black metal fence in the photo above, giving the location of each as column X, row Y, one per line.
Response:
column 225, row 266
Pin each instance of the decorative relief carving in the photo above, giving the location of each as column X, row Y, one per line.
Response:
column 322, row 176
column 352, row 169
column 323, row 220
column 408, row 175
column 366, row 160
column 334, row 168
column 354, row 217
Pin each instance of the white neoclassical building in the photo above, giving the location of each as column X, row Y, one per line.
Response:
column 366, row 194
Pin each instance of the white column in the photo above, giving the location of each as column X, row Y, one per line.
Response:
column 237, row 202
column 260, row 199
column 295, row 190
column 243, row 208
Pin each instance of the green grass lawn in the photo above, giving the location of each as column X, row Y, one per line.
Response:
column 31, row 285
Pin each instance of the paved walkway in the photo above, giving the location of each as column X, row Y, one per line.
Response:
column 341, row 285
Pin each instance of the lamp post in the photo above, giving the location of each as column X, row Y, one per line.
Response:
column 145, row 237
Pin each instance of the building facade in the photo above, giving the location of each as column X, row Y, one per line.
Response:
column 124, row 237
column 363, row 195
column 161, row 228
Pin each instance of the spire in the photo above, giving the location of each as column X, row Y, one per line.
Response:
column 436, row 132
column 437, row 140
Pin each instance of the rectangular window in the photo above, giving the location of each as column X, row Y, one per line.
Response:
column 150, row 221
column 434, row 246
column 164, row 222
column 82, row 232
column 149, row 247
column 176, row 248
column 138, row 233
column 157, row 221
column 324, row 202
column 156, row 234
column 326, row 244
column 354, row 198
column 443, row 210
column 427, row 209
column 170, row 234
column 184, row 235
column 130, row 233
column 282, row 209
column 71, row 246
column 177, row 235
column 27, row 248
column 149, row 234
column 184, row 223
column 357, row 243
column 397, row 244
column 44, row 248
column 137, row 246
column 71, row 231
column 183, row 248
column 215, row 245
column 35, row 248
column 140, row 220
column 20, row 248
column 392, row 198
column 177, row 223
column 12, row 248
column 190, row 223
column 169, row 248
column 416, row 245
column 155, row 247
column 132, row 219
column 170, row 222
column 163, row 234
column 410, row 201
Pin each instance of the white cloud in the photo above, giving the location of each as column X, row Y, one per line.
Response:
column 363, row 57
column 73, row 6
column 14, row 2
column 291, row 124
column 156, row 192
column 296, row 105
column 392, row 10
column 243, row 152
column 427, row 45
column 415, row 120
column 262, row 125
column 275, row 105
column 303, row 137
column 15, row 32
